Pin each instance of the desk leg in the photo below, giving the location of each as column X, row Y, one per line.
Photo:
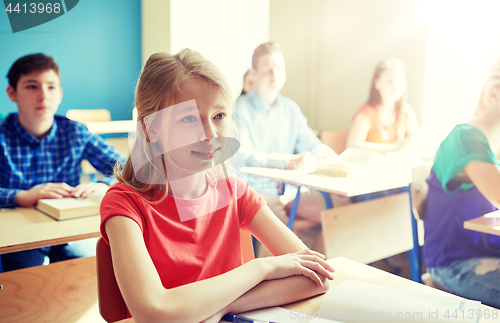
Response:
column 415, row 254
column 293, row 211
column 295, row 205
column 1, row 267
column 328, row 200
column 281, row 189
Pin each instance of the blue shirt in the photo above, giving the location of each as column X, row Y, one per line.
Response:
column 269, row 136
column 450, row 203
column 27, row 161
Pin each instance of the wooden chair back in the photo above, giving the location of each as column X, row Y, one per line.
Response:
column 111, row 304
column 335, row 139
column 88, row 115
column 368, row 231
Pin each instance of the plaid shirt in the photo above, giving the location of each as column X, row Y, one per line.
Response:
column 27, row 161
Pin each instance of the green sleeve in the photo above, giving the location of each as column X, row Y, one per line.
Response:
column 464, row 144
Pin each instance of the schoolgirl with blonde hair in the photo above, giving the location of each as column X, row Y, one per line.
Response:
column 164, row 73
column 173, row 231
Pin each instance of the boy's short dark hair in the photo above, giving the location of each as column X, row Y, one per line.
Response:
column 29, row 63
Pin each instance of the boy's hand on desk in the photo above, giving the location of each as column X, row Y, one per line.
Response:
column 85, row 189
column 305, row 161
column 45, row 191
column 307, row 262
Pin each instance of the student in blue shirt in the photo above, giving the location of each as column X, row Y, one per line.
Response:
column 274, row 133
column 41, row 153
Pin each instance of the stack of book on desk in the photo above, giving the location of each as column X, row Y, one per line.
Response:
column 358, row 163
column 69, row 208
column 349, row 160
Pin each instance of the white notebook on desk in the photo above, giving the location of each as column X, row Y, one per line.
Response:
column 359, row 302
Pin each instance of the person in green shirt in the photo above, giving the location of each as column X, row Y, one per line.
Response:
column 464, row 184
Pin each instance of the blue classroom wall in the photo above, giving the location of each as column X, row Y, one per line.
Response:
column 97, row 46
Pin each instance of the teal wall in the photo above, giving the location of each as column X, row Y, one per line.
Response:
column 97, row 46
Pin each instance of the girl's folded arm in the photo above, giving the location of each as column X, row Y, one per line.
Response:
column 273, row 234
column 142, row 289
column 279, row 240
column 147, row 299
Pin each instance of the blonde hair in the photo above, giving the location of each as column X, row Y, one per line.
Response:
column 493, row 81
column 263, row 49
column 159, row 86
column 389, row 63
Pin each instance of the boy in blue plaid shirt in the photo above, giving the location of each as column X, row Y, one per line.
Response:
column 41, row 154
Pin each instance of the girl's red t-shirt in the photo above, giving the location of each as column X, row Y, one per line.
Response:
column 188, row 251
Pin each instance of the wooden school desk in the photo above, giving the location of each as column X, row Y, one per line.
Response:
column 61, row 292
column 344, row 186
column 488, row 223
column 355, row 186
column 107, row 127
column 26, row 228
column 58, row 291
column 346, row 269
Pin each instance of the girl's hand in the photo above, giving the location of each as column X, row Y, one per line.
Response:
column 307, row 262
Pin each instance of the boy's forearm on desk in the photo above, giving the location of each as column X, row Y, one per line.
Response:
column 271, row 160
column 8, row 197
